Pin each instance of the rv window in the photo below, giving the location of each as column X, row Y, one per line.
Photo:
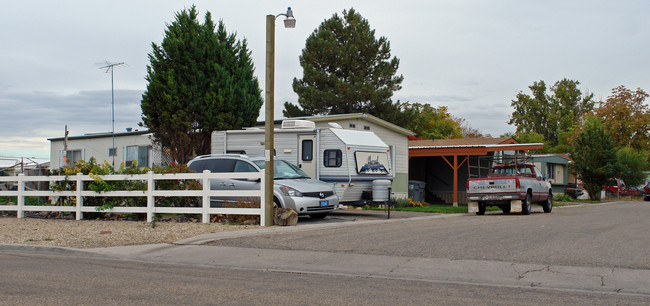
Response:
column 236, row 152
column 332, row 158
column 307, row 150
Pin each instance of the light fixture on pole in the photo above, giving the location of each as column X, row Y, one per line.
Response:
column 289, row 22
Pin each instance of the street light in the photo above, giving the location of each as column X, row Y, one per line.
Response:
column 289, row 22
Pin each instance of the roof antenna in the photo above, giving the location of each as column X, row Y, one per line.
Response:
column 110, row 67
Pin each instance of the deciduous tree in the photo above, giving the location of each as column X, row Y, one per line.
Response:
column 631, row 165
column 626, row 117
column 434, row 123
column 594, row 156
column 200, row 80
column 550, row 114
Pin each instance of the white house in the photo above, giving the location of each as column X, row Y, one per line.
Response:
column 129, row 146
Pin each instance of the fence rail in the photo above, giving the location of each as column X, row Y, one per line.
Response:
column 150, row 193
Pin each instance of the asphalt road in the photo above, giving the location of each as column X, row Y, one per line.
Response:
column 611, row 235
column 57, row 280
column 588, row 255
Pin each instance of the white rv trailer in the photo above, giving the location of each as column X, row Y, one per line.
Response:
column 348, row 159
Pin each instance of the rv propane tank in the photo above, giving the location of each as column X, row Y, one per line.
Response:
column 380, row 190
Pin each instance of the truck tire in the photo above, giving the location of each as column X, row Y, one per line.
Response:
column 505, row 208
column 481, row 209
column 548, row 204
column 526, row 205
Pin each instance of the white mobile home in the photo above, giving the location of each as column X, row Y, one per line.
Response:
column 392, row 135
column 130, row 146
column 350, row 160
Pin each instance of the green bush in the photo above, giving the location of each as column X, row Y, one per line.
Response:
column 98, row 185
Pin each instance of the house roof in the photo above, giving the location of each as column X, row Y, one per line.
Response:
column 101, row 135
column 364, row 116
column 469, row 146
column 481, row 141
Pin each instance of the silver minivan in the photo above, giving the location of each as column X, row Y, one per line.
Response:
column 292, row 187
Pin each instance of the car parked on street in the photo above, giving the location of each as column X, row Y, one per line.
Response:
column 292, row 187
column 646, row 192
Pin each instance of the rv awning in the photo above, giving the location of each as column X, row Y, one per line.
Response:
column 359, row 138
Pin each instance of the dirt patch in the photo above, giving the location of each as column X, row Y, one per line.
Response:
column 103, row 233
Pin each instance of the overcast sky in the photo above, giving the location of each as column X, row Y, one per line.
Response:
column 471, row 56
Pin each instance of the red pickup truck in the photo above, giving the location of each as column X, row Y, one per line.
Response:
column 511, row 187
column 615, row 186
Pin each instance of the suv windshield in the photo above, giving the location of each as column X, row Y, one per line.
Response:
column 283, row 170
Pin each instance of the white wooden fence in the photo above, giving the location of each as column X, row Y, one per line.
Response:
column 151, row 193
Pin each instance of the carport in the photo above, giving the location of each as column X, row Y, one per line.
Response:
column 443, row 163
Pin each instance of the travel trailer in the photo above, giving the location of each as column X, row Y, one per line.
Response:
column 355, row 162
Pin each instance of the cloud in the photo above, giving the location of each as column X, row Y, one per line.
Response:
column 30, row 118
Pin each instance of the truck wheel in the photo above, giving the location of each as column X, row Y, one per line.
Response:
column 505, row 209
column 526, row 205
column 481, row 209
column 548, row 204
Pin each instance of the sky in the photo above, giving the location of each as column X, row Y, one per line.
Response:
column 472, row 56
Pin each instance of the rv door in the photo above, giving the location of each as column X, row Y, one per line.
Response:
column 306, row 154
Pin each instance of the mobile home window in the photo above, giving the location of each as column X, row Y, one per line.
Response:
column 332, row 158
column 307, row 150
column 73, row 156
column 139, row 154
column 550, row 171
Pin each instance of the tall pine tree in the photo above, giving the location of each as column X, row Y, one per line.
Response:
column 200, row 80
column 347, row 70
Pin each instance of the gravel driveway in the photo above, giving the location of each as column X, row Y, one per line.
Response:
column 101, row 233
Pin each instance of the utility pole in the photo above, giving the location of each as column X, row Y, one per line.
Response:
column 110, row 67
column 65, row 147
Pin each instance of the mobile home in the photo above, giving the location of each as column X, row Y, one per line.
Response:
column 352, row 161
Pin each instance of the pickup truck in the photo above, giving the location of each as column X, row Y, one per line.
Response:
column 615, row 186
column 511, row 187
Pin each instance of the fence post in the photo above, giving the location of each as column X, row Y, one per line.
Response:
column 205, row 199
column 150, row 198
column 263, row 221
column 80, row 200
column 20, row 199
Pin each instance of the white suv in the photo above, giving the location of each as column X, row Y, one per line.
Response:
column 292, row 187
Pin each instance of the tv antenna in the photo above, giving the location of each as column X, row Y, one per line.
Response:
column 110, row 67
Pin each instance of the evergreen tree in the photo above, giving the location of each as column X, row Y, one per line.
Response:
column 347, row 70
column 200, row 80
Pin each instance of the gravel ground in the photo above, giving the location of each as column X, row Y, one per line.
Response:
column 102, row 233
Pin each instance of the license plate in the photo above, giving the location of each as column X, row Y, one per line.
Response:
column 324, row 203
